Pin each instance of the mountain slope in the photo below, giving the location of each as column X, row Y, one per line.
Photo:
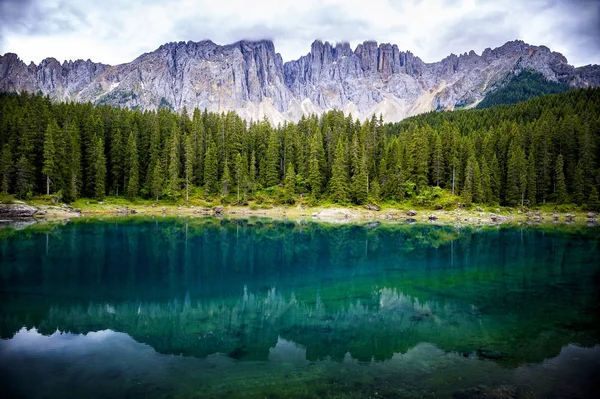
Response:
column 522, row 87
column 252, row 79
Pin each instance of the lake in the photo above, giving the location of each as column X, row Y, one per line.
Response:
column 174, row 307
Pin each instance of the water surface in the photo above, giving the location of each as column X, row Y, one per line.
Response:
column 260, row 308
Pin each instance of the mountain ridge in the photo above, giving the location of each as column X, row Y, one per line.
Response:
column 251, row 78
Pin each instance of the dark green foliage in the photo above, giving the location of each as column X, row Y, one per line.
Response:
column 24, row 178
column 6, row 165
column 561, row 187
column 338, row 186
column 545, row 149
column 211, row 173
column 522, row 87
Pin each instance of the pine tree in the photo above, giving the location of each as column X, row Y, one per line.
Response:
column 561, row 187
column 419, row 156
column 478, row 196
column 189, row 165
column 486, row 183
column 73, row 175
column 272, row 167
column 211, row 173
column 531, row 180
column 290, row 184
column 338, row 185
column 50, row 167
column 315, row 178
column 116, row 159
column 516, row 175
column 6, row 165
column 133, row 177
column 467, row 191
column 156, row 180
column 579, row 184
column 225, row 180
column 437, row 161
column 252, row 173
column 238, row 169
column 23, row 178
column 174, row 159
column 99, row 169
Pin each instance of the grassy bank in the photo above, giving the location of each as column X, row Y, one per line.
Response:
column 452, row 211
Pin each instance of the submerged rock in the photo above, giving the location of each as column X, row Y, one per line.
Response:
column 16, row 210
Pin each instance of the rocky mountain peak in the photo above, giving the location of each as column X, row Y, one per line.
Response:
column 250, row 77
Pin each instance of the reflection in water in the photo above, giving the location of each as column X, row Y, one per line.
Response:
column 254, row 308
column 107, row 364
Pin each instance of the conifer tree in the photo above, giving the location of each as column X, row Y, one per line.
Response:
column 419, row 156
column 189, row 165
column 6, row 165
column 133, row 178
column 561, row 187
column 478, row 196
column 50, row 166
column 116, row 159
column 252, row 172
column 272, row 166
column 156, row 178
column 578, row 184
column 437, row 163
column 211, row 173
column 467, row 191
column 73, row 175
column 290, row 184
column 516, row 175
column 238, row 168
column 315, row 175
column 174, row 159
column 99, row 168
column 23, row 178
column 225, row 179
column 531, row 180
column 338, row 185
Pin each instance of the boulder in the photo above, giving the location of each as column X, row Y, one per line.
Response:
column 219, row 210
column 432, row 217
column 591, row 215
column 16, row 211
column 372, row 207
column 569, row 216
column 411, row 213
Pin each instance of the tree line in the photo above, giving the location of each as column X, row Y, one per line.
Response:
column 542, row 150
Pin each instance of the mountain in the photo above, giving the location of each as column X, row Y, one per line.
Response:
column 250, row 78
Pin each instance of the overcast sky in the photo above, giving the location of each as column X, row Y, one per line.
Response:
column 117, row 31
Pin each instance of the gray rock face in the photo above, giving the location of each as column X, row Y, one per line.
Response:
column 12, row 211
column 250, row 78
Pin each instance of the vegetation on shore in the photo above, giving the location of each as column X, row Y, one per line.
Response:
column 541, row 152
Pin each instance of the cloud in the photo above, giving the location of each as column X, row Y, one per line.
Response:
column 114, row 31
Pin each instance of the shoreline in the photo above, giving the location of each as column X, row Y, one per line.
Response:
column 457, row 217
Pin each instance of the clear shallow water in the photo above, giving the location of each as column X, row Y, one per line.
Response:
column 251, row 308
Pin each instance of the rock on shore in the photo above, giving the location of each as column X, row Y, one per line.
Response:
column 18, row 210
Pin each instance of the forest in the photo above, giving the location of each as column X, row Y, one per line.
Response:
column 528, row 84
column 544, row 150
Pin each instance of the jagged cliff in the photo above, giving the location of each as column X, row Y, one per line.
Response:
column 252, row 79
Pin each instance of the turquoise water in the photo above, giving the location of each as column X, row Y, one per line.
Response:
column 259, row 308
